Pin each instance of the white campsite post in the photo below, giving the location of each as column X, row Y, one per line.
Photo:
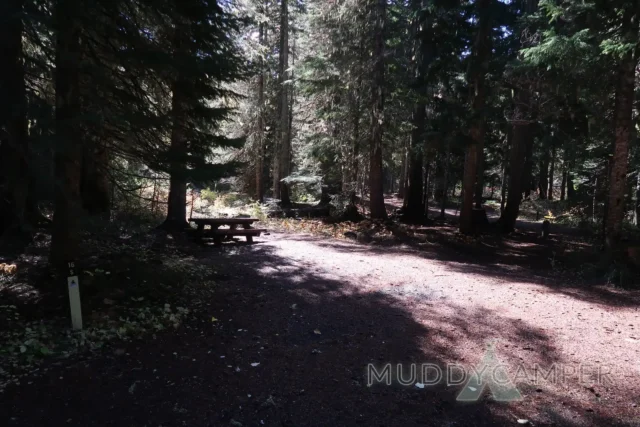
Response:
column 74, row 297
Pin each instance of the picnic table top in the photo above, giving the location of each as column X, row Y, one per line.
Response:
column 223, row 220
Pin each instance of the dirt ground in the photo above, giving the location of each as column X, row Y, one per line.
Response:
column 295, row 320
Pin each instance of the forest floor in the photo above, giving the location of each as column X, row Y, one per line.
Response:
column 280, row 332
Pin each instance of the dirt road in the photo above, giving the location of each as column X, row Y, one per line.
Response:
column 297, row 319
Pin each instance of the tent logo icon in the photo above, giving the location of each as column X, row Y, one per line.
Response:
column 489, row 373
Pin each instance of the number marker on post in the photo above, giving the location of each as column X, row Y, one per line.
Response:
column 74, row 297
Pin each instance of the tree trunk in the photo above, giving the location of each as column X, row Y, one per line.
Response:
column 623, row 128
column 563, row 185
column 95, row 187
column 285, row 141
column 438, row 185
column 423, row 53
column 445, row 179
column 14, row 142
column 355, row 151
column 571, row 191
column 479, row 66
column 543, row 183
column 65, row 237
column 480, row 174
column 520, row 139
column 177, row 203
column 289, row 154
column 520, row 159
column 260, row 124
column 636, row 216
column 154, row 200
column 377, row 208
column 529, row 183
column 427, row 183
column 415, row 208
column 505, row 163
column 403, row 176
column 551, row 172
column 345, row 151
column 503, row 188
column 594, row 201
column 276, row 168
column 468, row 188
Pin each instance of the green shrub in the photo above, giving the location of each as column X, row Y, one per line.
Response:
column 258, row 212
column 209, row 195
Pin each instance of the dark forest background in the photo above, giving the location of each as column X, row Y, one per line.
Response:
column 108, row 106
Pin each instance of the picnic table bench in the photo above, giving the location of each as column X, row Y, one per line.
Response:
column 219, row 234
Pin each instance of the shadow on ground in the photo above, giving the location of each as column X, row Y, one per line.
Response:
column 312, row 338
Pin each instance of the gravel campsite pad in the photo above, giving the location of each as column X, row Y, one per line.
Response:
column 286, row 336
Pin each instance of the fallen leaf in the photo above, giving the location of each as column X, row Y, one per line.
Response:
column 133, row 387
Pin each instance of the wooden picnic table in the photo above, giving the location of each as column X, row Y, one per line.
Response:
column 219, row 234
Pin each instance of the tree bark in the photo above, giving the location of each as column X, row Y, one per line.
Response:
column 505, row 167
column 571, row 191
column 355, row 147
column 438, row 185
column 415, row 207
column 291, row 99
column 177, row 202
column 423, row 54
column 260, row 124
column 543, row 183
column 623, row 128
column 594, row 196
column 477, row 72
column 563, row 185
column 65, row 237
column 480, row 173
column 520, row 159
column 445, row 179
column 427, row 182
column 529, row 183
column 636, row 210
column 405, row 173
column 403, row 176
column 14, row 142
column 285, row 141
column 521, row 138
column 95, row 187
column 376, row 199
column 468, row 188
column 552, row 168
